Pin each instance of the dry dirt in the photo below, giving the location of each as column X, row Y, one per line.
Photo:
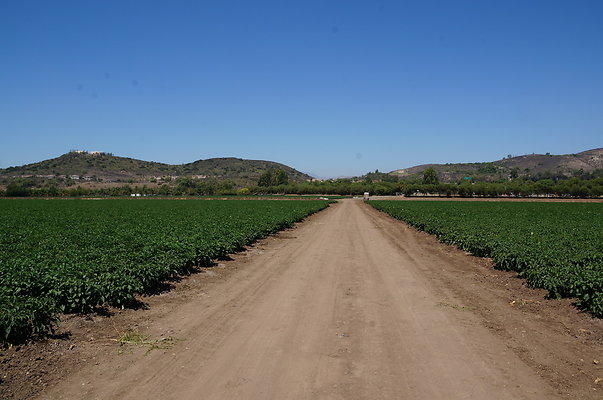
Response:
column 350, row 304
column 507, row 199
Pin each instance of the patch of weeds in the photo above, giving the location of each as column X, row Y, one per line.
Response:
column 455, row 306
column 132, row 337
column 135, row 338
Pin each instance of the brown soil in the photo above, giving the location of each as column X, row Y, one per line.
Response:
column 512, row 199
column 350, row 304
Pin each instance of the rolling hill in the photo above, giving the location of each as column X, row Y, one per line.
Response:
column 105, row 167
column 531, row 165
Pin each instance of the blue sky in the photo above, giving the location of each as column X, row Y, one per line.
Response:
column 334, row 88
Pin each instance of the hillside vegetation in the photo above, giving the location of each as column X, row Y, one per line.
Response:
column 82, row 166
column 101, row 174
column 533, row 166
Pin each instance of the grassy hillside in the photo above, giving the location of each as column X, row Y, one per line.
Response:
column 105, row 167
column 533, row 165
column 238, row 168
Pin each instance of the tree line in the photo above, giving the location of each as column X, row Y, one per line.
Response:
column 276, row 181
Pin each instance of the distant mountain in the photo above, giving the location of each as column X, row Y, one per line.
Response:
column 105, row 167
column 532, row 165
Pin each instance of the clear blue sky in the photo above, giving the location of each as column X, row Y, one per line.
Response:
column 332, row 88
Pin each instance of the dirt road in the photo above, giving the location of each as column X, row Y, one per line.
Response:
column 349, row 305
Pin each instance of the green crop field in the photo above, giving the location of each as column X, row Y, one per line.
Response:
column 75, row 255
column 556, row 246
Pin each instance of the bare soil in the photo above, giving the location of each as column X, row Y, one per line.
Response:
column 350, row 304
column 511, row 199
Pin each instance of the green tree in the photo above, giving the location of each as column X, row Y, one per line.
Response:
column 430, row 177
column 273, row 177
column 15, row 189
column 280, row 177
column 20, row 188
column 265, row 179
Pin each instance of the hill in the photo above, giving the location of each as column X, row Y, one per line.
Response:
column 82, row 166
column 530, row 166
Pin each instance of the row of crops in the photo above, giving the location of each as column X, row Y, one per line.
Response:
column 555, row 246
column 75, row 255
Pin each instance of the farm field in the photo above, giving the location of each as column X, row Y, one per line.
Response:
column 555, row 246
column 351, row 304
column 76, row 255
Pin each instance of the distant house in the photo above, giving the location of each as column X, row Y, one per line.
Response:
column 92, row 153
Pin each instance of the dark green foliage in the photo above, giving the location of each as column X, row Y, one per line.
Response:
column 76, row 255
column 19, row 188
column 555, row 246
column 273, row 177
column 487, row 168
column 22, row 316
column 280, row 177
column 430, row 177
column 265, row 179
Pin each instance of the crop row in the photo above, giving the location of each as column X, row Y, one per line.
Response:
column 76, row 255
column 555, row 246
